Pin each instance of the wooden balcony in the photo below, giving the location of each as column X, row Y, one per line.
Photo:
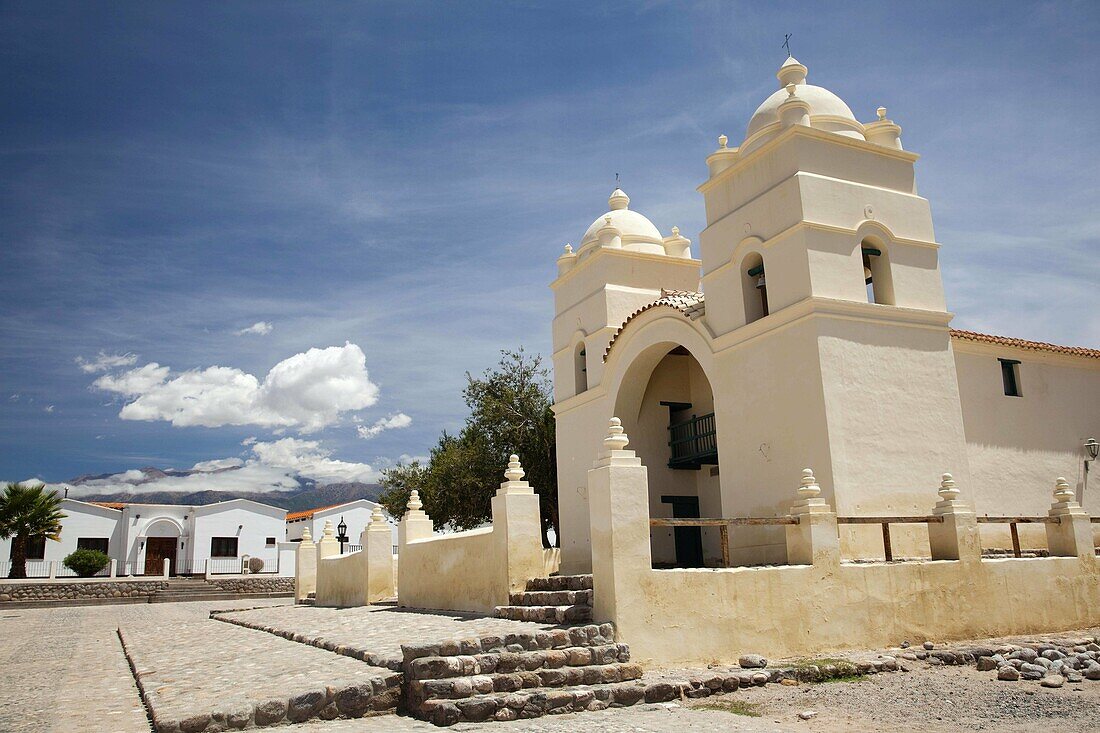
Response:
column 693, row 443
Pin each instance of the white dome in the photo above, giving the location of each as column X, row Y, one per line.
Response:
column 827, row 110
column 635, row 229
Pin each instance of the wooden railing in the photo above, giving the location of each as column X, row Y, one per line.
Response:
column 1013, row 521
column 887, row 548
column 723, row 525
column 693, row 442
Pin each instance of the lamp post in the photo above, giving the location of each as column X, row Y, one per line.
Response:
column 1092, row 449
column 342, row 536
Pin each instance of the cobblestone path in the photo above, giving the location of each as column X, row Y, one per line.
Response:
column 62, row 669
column 381, row 629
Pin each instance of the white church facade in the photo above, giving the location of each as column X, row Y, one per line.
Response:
column 811, row 330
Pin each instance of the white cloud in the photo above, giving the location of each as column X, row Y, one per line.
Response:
column 260, row 328
column 250, row 440
column 48, row 408
column 393, row 422
column 274, row 466
column 103, row 362
column 308, row 391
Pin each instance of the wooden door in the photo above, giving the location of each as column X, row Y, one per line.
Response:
column 689, row 540
column 156, row 549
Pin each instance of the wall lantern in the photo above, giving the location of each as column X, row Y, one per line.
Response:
column 1093, row 448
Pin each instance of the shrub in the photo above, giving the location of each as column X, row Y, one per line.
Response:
column 86, row 563
column 255, row 564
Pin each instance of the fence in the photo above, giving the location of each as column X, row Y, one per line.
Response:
column 239, row 565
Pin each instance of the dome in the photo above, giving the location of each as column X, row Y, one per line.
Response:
column 638, row 233
column 830, row 111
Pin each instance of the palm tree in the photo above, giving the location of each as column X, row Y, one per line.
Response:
column 28, row 513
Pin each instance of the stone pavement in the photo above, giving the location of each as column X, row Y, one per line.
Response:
column 62, row 669
column 199, row 672
column 379, row 630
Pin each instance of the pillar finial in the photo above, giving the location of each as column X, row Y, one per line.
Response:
column 515, row 471
column 809, row 488
column 948, row 490
column 414, row 501
column 307, row 536
column 376, row 516
column 1063, row 492
column 327, row 532
column 616, row 438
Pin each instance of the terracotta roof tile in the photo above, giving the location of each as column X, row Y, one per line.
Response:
column 985, row 338
column 308, row 513
column 688, row 302
column 110, row 504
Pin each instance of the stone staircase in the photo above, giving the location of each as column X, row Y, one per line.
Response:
column 183, row 589
column 559, row 599
column 520, row 675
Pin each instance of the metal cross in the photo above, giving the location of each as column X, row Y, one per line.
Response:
column 787, row 43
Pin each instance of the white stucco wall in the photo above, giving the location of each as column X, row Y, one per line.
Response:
column 251, row 523
column 81, row 520
column 1019, row 445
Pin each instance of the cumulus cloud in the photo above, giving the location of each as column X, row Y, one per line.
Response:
column 308, row 391
column 48, row 408
column 393, row 422
column 260, row 328
column 103, row 362
column 272, row 466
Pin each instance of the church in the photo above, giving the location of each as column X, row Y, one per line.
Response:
column 809, row 328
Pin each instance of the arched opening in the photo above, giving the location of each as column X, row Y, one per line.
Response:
column 580, row 368
column 876, row 272
column 667, row 407
column 754, row 287
column 161, row 542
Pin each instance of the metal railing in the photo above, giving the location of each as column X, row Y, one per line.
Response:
column 723, row 524
column 348, row 549
column 693, row 442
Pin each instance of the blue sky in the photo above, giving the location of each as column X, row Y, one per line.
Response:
column 390, row 184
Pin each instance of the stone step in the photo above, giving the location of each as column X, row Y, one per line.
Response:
column 576, row 636
column 547, row 614
column 532, row 703
column 421, row 691
column 214, row 595
column 439, row 668
column 560, row 582
column 551, row 598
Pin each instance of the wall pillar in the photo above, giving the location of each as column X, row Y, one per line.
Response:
column 305, row 567
column 618, row 500
column 1071, row 536
column 957, row 537
column 376, row 539
column 328, row 546
column 167, row 567
column 814, row 540
column 415, row 525
column 52, row 565
column 113, row 572
column 517, row 529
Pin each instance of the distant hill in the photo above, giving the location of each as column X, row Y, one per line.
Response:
column 292, row 501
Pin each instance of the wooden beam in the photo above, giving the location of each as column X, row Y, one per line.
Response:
column 887, row 550
column 927, row 519
column 724, row 533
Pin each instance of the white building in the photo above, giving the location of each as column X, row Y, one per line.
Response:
column 813, row 330
column 355, row 514
column 139, row 537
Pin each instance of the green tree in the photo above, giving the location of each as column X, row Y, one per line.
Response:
column 28, row 513
column 510, row 412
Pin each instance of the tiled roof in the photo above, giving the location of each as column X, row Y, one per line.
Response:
column 110, row 504
column 308, row 513
column 985, row 338
column 688, row 302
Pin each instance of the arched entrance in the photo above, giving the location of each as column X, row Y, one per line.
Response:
column 667, row 407
column 162, row 538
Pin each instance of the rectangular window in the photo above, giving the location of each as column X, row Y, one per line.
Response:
column 92, row 543
column 1010, row 375
column 223, row 547
column 36, row 548
column 270, row 541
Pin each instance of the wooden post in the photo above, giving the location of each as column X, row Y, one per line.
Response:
column 724, row 532
column 1015, row 539
column 887, row 550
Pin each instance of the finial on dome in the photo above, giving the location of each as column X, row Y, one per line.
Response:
column 790, row 90
column 568, row 249
column 618, row 200
column 881, row 112
column 791, row 72
column 675, row 231
column 723, row 141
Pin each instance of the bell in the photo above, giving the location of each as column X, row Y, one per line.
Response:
column 867, row 274
column 760, row 283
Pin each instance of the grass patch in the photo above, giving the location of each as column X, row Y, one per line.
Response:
column 733, row 706
column 846, row 678
column 842, row 669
